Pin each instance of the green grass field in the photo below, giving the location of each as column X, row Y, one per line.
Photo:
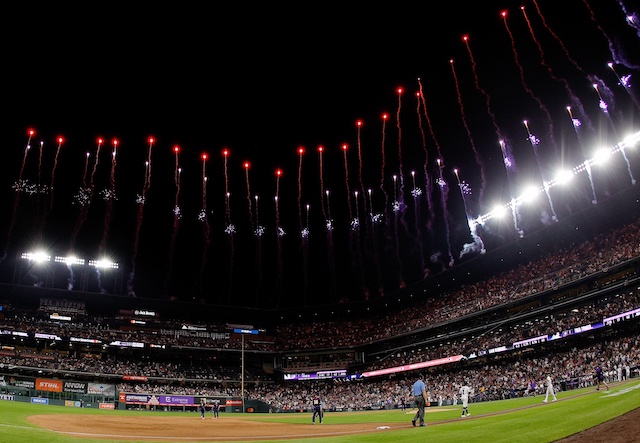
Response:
column 516, row 420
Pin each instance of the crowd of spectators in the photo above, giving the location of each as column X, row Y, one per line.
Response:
column 553, row 270
column 496, row 379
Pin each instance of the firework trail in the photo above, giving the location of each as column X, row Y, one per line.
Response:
column 624, row 81
column 305, row 255
column 605, row 109
column 356, row 249
column 39, row 189
column 399, row 126
column 576, row 123
column 484, row 93
column 141, row 199
column 402, row 207
column 330, row 250
column 321, row 176
column 442, row 185
column 575, row 101
column 465, row 190
column 304, row 228
column 618, row 59
column 230, row 228
column 203, row 217
column 85, row 172
column 571, row 59
column 510, row 167
column 227, row 210
column 47, row 211
column 535, row 141
column 354, row 231
column 177, row 214
column 505, row 148
column 84, row 197
column 258, row 232
column 396, row 241
column 631, row 17
column 327, row 221
column 375, row 219
column 27, row 147
column 345, row 148
column 444, row 192
column 385, row 117
column 300, row 155
column 564, row 48
column 387, row 206
column 279, row 234
column 246, row 166
column 416, row 192
column 399, row 204
column 477, row 245
column 526, row 87
column 479, row 162
column 108, row 195
column 53, row 175
column 425, row 165
column 359, row 124
column 428, row 181
column 18, row 186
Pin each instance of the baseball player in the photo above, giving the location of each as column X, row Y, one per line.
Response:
column 550, row 391
column 318, row 410
column 465, row 392
column 599, row 376
column 203, row 407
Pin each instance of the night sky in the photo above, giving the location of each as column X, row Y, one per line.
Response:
column 261, row 83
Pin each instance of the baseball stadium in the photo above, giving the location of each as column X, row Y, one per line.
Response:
column 131, row 311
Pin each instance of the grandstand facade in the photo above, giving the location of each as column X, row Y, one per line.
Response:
column 565, row 298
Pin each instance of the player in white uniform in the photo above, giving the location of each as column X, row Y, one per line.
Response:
column 550, row 391
column 465, row 392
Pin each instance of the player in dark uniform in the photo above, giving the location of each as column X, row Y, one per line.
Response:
column 215, row 408
column 203, row 407
column 599, row 376
column 318, row 410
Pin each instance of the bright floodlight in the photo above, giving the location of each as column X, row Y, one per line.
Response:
column 38, row 256
column 70, row 260
column 529, row 194
column 563, row 177
column 499, row 211
column 103, row 264
column 601, row 156
column 630, row 141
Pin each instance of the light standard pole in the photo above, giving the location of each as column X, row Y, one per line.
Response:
column 243, row 331
column 242, row 374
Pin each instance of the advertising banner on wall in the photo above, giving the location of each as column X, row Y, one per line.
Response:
column 101, row 389
column 77, row 387
column 48, row 384
column 158, row 400
column 22, row 382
